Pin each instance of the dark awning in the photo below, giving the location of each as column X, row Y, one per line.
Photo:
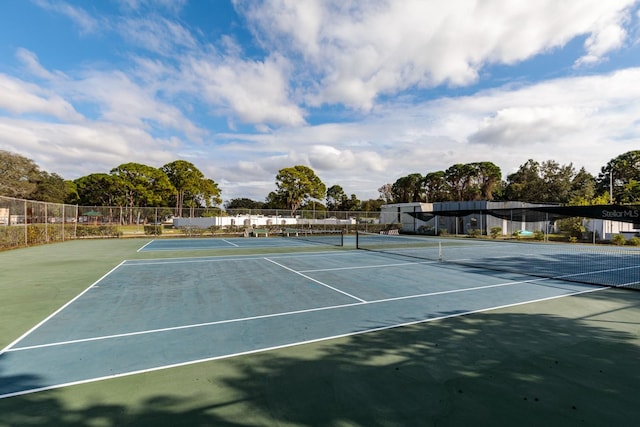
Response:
column 623, row 213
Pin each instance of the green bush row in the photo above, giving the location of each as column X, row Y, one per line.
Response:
column 98, row 231
column 620, row 240
column 153, row 230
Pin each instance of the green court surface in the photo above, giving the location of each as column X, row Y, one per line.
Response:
column 280, row 333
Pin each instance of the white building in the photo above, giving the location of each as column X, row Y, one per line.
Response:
column 256, row 221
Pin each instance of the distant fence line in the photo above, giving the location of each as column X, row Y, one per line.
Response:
column 28, row 222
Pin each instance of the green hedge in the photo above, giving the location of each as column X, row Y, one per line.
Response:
column 35, row 234
column 153, row 230
column 98, row 231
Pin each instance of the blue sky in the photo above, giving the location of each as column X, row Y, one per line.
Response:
column 363, row 92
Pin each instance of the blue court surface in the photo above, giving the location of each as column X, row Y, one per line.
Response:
column 232, row 243
column 155, row 314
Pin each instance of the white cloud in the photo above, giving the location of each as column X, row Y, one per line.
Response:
column 30, row 60
column 526, row 125
column 586, row 121
column 254, row 91
column 608, row 34
column 20, row 97
column 170, row 5
column 363, row 49
column 122, row 100
column 74, row 150
column 79, row 16
column 156, row 34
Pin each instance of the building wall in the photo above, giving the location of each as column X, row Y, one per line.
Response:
column 605, row 229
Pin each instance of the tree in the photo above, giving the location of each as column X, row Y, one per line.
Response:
column 619, row 175
column 49, row 188
column 19, row 175
column 296, row 185
column 583, row 188
column 408, row 189
column 192, row 189
column 243, row 203
column 372, row 205
column 630, row 192
column 460, row 178
column 143, row 185
column 275, row 201
column 386, row 193
column 351, row 204
column 436, row 187
column 99, row 189
column 71, row 193
column 488, row 177
column 335, row 198
column 557, row 181
column 525, row 184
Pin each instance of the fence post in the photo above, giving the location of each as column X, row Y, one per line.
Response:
column 26, row 233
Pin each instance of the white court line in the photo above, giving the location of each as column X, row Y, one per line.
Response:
column 266, row 349
column 316, row 281
column 7, row 348
column 145, row 245
column 289, row 313
column 231, row 243
column 177, row 328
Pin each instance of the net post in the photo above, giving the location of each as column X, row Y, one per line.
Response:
column 357, row 239
column 440, row 250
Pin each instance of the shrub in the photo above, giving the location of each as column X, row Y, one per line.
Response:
column 98, row 231
column 192, row 230
column 474, row 232
column 538, row 235
column 618, row 239
column 426, row 229
column 154, row 229
column 634, row 241
column 495, row 232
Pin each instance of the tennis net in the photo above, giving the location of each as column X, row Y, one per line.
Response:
column 326, row 237
column 593, row 264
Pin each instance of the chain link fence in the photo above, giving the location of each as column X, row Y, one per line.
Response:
column 27, row 222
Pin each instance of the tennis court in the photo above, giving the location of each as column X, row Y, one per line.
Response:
column 153, row 314
column 163, row 309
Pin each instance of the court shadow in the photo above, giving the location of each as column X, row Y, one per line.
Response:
column 45, row 409
column 10, row 383
column 494, row 368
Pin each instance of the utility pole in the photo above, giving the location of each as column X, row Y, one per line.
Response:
column 611, row 186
